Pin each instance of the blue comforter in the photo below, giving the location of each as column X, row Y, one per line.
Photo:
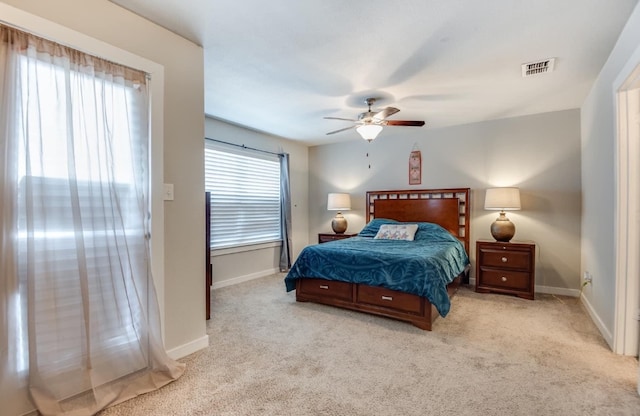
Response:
column 422, row 267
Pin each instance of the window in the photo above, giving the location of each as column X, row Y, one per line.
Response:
column 59, row 189
column 245, row 196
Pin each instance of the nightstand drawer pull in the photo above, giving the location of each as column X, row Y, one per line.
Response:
column 504, row 279
column 504, row 259
column 387, row 297
column 325, row 287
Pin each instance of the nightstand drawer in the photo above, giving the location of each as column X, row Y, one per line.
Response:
column 505, row 279
column 507, row 259
column 389, row 299
column 338, row 290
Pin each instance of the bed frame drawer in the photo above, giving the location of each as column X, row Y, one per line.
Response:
column 332, row 288
column 389, row 299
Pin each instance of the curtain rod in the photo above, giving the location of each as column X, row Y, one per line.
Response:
column 244, row 147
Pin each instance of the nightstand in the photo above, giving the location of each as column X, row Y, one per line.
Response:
column 326, row 237
column 506, row 267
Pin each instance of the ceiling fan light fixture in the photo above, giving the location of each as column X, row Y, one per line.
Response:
column 369, row 131
column 369, row 124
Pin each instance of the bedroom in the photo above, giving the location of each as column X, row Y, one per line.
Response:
column 561, row 190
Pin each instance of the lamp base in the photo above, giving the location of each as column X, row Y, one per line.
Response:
column 339, row 224
column 502, row 229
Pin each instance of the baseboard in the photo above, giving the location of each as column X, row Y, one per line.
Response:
column 574, row 293
column 562, row 291
column 189, row 348
column 606, row 334
column 245, row 278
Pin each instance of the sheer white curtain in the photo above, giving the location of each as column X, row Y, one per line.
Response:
column 80, row 321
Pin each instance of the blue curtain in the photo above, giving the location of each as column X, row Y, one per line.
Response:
column 285, row 213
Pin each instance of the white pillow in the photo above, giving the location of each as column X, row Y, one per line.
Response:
column 396, row 232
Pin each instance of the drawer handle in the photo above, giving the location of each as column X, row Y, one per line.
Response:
column 504, row 279
column 325, row 287
column 387, row 297
column 504, row 259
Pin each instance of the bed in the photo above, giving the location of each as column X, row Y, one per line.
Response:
column 386, row 277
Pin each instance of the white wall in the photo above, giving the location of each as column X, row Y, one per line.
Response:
column 538, row 153
column 183, row 124
column 598, row 132
column 237, row 267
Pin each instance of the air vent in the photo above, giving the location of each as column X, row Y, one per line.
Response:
column 536, row 68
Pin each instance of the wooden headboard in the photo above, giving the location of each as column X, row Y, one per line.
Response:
column 448, row 208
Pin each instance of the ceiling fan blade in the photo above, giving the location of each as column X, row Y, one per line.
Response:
column 339, row 118
column 381, row 115
column 338, row 131
column 403, row 123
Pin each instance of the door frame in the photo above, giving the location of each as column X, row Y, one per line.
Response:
column 627, row 213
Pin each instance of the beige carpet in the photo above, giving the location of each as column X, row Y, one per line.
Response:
column 493, row 355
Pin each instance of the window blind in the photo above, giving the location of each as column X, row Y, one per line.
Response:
column 245, row 196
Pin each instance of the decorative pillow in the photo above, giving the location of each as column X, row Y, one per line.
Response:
column 396, row 232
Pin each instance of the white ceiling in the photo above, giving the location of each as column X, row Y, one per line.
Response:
column 280, row 66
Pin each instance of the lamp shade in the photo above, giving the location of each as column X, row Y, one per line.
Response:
column 502, row 199
column 369, row 131
column 338, row 202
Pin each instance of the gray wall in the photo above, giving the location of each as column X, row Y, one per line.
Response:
column 235, row 267
column 538, row 153
column 598, row 132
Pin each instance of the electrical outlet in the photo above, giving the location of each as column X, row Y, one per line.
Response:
column 587, row 277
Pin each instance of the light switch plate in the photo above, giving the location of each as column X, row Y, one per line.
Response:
column 168, row 192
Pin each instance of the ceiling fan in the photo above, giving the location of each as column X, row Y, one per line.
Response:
column 369, row 124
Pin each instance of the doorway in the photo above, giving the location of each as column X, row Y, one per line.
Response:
column 627, row 222
column 627, row 305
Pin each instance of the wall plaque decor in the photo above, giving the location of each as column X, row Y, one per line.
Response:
column 415, row 167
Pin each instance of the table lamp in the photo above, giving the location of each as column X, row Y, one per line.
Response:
column 339, row 202
column 502, row 199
